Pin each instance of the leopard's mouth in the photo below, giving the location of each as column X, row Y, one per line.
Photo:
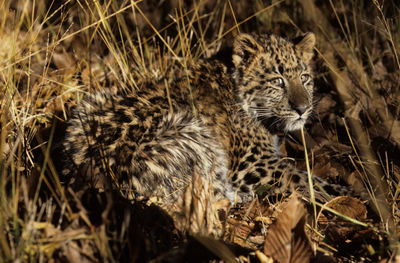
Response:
column 278, row 124
column 295, row 124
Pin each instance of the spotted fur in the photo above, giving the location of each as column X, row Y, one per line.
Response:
column 212, row 123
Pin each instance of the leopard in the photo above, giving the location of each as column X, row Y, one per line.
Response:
column 209, row 119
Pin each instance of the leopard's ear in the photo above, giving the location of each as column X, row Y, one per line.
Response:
column 244, row 49
column 305, row 46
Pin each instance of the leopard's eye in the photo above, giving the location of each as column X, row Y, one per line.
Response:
column 278, row 82
column 304, row 78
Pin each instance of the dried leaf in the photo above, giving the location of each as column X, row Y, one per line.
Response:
column 348, row 206
column 287, row 240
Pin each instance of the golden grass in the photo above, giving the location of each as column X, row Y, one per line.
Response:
column 52, row 54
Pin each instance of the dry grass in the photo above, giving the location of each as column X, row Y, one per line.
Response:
column 52, row 53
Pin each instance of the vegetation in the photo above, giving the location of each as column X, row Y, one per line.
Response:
column 53, row 53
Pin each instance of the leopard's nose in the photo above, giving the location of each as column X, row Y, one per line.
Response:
column 300, row 110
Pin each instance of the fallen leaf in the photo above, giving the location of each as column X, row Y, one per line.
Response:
column 348, row 206
column 338, row 228
column 286, row 239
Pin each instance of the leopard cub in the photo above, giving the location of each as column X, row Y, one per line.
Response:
column 208, row 120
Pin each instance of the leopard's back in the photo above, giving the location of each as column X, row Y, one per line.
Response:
column 152, row 141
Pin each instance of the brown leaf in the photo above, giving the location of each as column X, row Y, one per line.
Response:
column 241, row 228
column 348, row 206
column 339, row 231
column 287, row 240
column 337, row 228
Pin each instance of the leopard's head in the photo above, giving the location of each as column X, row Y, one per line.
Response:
column 273, row 78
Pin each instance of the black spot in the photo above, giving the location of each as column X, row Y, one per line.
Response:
column 242, row 166
column 255, row 150
column 142, row 129
column 93, row 127
column 104, row 139
column 234, row 163
column 272, row 161
column 147, row 148
column 105, row 127
column 296, row 178
column 251, row 159
column 234, row 177
column 122, row 117
column 140, row 116
column 156, row 100
column 277, row 174
column 261, row 172
column 250, row 178
column 264, row 157
column 280, row 69
column 117, row 134
column 270, row 182
column 132, row 147
column 100, row 113
column 260, row 165
column 129, row 101
column 244, row 189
